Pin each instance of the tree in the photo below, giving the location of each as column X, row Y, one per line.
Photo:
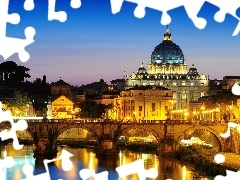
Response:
column 18, row 105
column 11, row 72
column 91, row 109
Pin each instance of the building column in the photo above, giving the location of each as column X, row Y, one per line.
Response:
column 188, row 99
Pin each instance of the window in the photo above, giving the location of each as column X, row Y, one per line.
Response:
column 153, row 106
column 132, row 107
column 67, row 91
column 167, row 94
column 166, row 107
column 140, row 108
column 53, row 91
column 140, row 114
column 62, row 100
column 183, row 84
column 140, row 93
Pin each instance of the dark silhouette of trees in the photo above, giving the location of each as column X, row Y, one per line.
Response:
column 11, row 73
column 91, row 109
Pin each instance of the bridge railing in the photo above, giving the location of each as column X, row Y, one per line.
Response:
column 169, row 122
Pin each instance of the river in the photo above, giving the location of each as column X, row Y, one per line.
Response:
column 83, row 158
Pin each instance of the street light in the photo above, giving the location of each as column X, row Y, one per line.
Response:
column 203, row 112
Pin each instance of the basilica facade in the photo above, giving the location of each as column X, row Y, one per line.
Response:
column 167, row 68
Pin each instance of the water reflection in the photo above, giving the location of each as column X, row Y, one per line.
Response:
column 168, row 168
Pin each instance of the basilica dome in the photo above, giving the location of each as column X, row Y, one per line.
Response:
column 167, row 52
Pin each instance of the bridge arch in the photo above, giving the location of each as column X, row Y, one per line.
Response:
column 157, row 136
column 216, row 134
column 84, row 127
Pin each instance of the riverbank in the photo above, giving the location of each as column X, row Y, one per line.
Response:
column 201, row 158
column 232, row 160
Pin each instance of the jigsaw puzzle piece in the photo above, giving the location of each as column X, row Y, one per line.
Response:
column 160, row 5
column 75, row 4
column 13, row 18
column 29, row 5
column 21, row 125
column 230, row 175
column 137, row 167
column 227, row 7
column 9, row 46
column 192, row 8
column 88, row 173
column 7, row 162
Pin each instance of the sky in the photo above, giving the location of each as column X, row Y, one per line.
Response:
column 96, row 44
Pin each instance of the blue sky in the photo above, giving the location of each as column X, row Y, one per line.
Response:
column 95, row 44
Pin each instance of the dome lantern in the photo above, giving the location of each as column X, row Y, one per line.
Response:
column 167, row 52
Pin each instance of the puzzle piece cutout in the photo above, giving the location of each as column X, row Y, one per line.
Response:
column 236, row 89
column 66, row 166
column 9, row 45
column 230, row 175
column 7, row 162
column 220, row 158
column 137, row 167
column 29, row 5
column 60, row 15
column 192, row 8
column 88, row 173
column 20, row 125
column 228, row 132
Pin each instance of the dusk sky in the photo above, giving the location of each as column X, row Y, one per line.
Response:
column 95, row 44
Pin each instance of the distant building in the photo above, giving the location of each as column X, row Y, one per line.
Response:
column 60, row 88
column 144, row 102
column 167, row 68
column 62, row 103
column 107, row 97
column 215, row 86
column 62, row 108
column 229, row 81
column 118, row 84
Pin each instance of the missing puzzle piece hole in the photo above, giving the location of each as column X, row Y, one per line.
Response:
column 238, row 12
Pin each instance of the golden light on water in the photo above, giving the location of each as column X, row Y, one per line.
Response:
column 91, row 161
column 184, row 173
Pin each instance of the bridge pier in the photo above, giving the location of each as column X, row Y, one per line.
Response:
column 44, row 147
column 106, row 147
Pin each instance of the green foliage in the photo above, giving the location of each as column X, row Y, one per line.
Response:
column 201, row 158
column 18, row 105
column 91, row 109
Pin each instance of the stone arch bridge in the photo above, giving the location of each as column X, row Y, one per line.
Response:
column 45, row 133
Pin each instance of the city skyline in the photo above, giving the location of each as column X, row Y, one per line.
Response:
column 95, row 44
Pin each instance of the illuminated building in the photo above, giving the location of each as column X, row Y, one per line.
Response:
column 61, row 105
column 167, row 68
column 144, row 103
